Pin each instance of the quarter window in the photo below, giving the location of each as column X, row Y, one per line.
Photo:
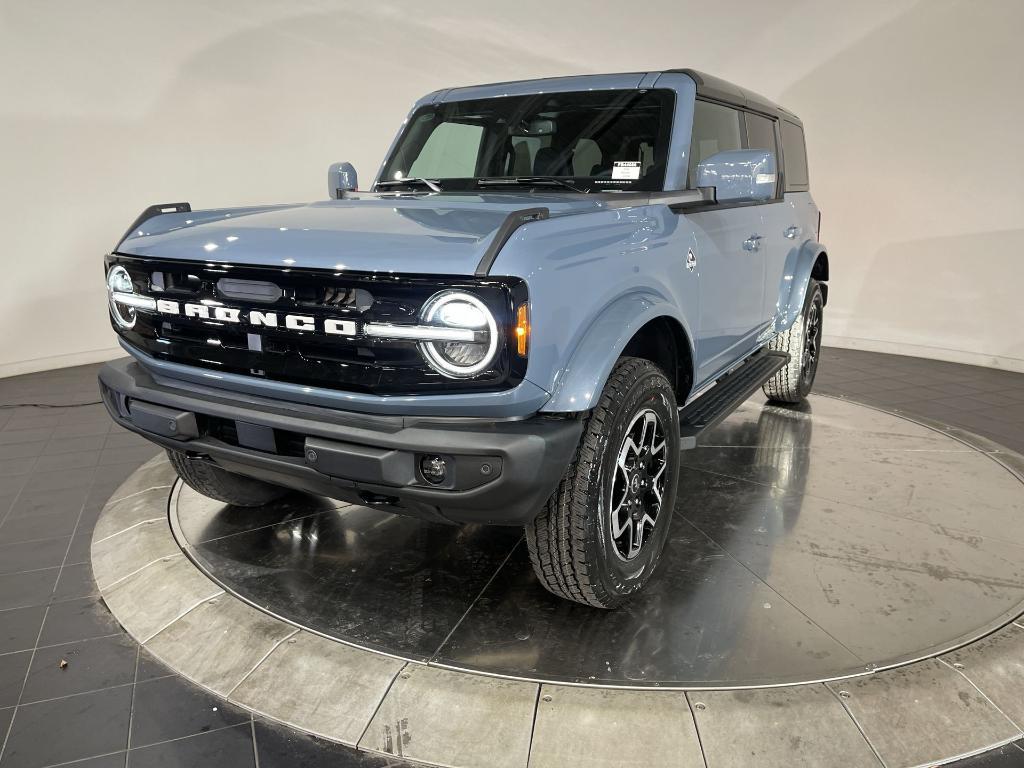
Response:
column 716, row 128
column 795, row 154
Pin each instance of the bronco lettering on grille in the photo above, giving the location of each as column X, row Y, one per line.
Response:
column 256, row 318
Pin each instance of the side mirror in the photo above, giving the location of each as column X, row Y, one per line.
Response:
column 740, row 175
column 341, row 178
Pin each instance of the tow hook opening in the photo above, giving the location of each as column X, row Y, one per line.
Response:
column 371, row 499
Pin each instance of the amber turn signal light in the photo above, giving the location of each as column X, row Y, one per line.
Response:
column 522, row 329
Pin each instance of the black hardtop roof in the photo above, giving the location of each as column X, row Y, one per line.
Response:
column 717, row 89
column 708, row 86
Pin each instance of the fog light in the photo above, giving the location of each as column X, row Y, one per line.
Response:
column 433, row 469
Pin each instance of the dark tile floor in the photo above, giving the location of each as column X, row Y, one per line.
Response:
column 75, row 689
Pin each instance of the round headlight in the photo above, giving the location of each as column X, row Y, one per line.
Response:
column 461, row 311
column 119, row 281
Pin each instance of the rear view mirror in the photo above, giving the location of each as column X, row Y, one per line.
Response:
column 341, row 178
column 539, row 126
column 740, row 175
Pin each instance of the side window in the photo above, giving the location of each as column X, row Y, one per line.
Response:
column 761, row 135
column 716, row 128
column 795, row 156
column 451, row 150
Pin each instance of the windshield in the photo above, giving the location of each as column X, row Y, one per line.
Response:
column 590, row 140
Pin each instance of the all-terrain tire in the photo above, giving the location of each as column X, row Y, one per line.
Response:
column 571, row 545
column 793, row 383
column 210, row 480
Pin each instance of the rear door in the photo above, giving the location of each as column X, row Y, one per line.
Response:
column 780, row 229
column 729, row 253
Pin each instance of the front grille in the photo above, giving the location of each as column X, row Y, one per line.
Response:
column 358, row 364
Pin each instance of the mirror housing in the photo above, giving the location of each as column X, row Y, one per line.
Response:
column 740, row 175
column 341, row 178
column 539, row 126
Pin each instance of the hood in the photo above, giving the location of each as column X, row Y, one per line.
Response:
column 427, row 234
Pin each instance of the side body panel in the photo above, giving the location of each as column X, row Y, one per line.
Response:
column 792, row 258
column 603, row 277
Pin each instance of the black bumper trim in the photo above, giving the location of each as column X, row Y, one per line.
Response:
column 510, row 468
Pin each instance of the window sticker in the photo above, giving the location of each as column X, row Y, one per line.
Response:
column 626, row 169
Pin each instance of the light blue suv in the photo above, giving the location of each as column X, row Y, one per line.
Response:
column 551, row 289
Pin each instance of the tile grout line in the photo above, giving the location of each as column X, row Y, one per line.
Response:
column 75, row 695
column 79, row 760
column 30, row 570
column 696, row 728
column 51, row 601
column 533, row 725
column 261, row 527
column 21, row 490
column 66, row 642
column 475, row 600
column 60, row 571
column 252, row 732
column 182, row 615
column 24, row 682
column 162, row 559
column 266, row 656
column 131, row 708
column 857, row 723
column 131, row 527
column 885, row 513
column 133, row 494
column 34, row 541
column 774, row 591
column 976, row 687
column 74, row 532
column 183, row 738
column 376, row 709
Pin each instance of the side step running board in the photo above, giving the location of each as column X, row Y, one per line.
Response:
column 726, row 396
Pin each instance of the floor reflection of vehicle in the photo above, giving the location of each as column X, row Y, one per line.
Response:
column 681, row 629
column 769, row 576
column 715, row 509
column 705, row 616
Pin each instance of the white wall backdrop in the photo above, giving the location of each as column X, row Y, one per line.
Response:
column 913, row 112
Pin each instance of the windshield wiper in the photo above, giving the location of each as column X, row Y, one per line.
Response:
column 430, row 184
column 530, row 181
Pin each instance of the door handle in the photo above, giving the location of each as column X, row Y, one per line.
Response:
column 792, row 232
column 752, row 243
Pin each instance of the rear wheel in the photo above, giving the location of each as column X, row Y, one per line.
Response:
column 601, row 534
column 210, row 480
column 793, row 383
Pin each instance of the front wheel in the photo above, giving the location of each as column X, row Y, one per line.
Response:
column 601, row 534
column 793, row 383
column 210, row 480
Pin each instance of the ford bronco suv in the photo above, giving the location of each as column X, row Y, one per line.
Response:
column 549, row 290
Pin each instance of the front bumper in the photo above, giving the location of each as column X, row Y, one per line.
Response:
column 500, row 472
